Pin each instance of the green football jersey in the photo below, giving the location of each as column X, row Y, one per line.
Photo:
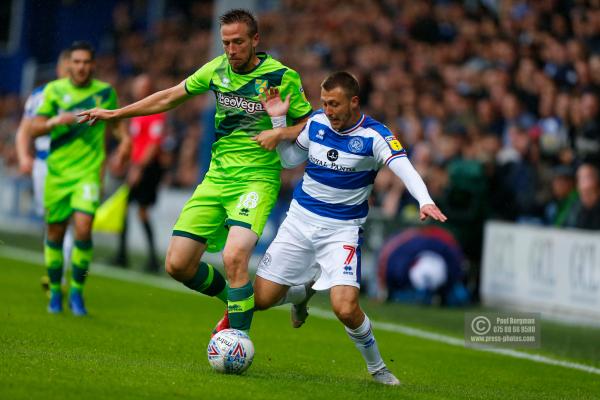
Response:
column 76, row 150
column 241, row 116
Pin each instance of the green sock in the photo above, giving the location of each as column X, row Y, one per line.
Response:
column 240, row 307
column 208, row 281
column 80, row 262
column 53, row 257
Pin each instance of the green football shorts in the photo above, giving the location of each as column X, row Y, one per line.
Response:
column 217, row 205
column 61, row 200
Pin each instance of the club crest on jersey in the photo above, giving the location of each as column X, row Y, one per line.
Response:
column 356, row 145
column 332, row 155
column 260, row 85
column 303, row 94
column 225, row 81
column 66, row 98
column 320, row 134
column 394, row 143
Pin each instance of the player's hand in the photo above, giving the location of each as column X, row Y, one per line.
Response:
column 134, row 176
column 95, row 114
column 62, row 119
column 116, row 166
column 271, row 101
column 26, row 165
column 269, row 139
column 119, row 161
column 431, row 210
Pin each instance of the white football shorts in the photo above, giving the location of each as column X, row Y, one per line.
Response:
column 301, row 251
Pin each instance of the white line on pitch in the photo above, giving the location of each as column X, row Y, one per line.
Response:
column 169, row 284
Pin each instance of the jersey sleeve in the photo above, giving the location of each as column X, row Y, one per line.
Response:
column 386, row 147
column 47, row 107
column 299, row 105
column 291, row 154
column 199, row 81
column 302, row 141
column 412, row 180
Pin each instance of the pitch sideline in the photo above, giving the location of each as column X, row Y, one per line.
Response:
column 169, row 284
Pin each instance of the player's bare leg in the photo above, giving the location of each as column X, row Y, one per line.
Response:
column 183, row 256
column 344, row 301
column 269, row 294
column 184, row 265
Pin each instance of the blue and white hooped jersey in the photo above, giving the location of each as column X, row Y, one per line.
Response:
column 341, row 168
column 35, row 99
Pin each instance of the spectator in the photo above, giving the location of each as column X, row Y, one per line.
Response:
column 564, row 196
column 587, row 134
column 585, row 213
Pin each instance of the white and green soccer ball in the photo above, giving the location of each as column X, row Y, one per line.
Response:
column 230, row 351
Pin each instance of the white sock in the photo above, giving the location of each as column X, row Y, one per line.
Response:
column 294, row 295
column 364, row 340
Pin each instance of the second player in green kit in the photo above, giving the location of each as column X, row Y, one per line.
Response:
column 230, row 207
column 76, row 152
column 75, row 161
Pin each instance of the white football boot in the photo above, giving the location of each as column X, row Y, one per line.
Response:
column 300, row 311
column 385, row 376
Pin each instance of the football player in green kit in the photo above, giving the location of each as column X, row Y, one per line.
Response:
column 242, row 184
column 75, row 163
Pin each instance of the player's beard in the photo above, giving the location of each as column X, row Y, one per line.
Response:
column 81, row 79
column 247, row 65
column 343, row 121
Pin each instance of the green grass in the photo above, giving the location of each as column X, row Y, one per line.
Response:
column 572, row 342
column 142, row 342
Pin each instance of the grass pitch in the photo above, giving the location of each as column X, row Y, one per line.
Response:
column 145, row 342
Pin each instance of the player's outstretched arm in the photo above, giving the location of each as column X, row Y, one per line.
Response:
column 270, row 138
column 23, row 143
column 403, row 168
column 41, row 125
column 431, row 210
column 155, row 103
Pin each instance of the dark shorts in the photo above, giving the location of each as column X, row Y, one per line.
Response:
column 144, row 193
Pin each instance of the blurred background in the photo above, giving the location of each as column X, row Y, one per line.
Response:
column 496, row 102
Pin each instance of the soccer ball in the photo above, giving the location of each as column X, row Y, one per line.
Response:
column 230, row 351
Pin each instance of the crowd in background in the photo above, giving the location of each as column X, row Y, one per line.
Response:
column 497, row 103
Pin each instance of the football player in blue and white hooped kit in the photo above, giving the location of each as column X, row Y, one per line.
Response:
column 322, row 235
